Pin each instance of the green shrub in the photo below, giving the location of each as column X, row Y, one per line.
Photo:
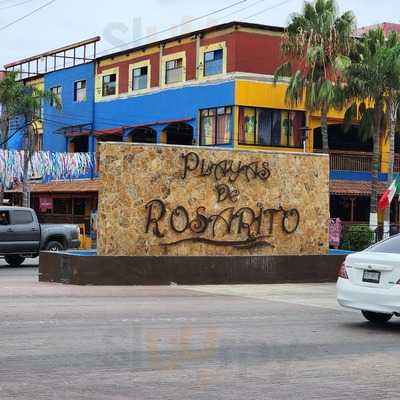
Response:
column 357, row 237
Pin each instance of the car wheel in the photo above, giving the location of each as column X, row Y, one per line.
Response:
column 377, row 318
column 14, row 261
column 54, row 246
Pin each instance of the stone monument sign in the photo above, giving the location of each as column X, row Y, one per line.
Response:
column 191, row 201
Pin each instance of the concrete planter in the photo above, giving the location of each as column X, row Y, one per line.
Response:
column 95, row 270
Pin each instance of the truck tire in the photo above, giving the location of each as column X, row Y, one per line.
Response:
column 14, row 261
column 54, row 246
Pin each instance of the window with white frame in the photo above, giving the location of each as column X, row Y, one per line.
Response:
column 140, row 78
column 213, row 62
column 80, row 94
column 174, row 71
column 56, row 91
column 109, row 85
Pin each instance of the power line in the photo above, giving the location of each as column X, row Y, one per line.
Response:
column 7, row 1
column 178, row 26
column 243, row 9
column 186, row 23
column 173, row 27
column 268, row 9
column 27, row 15
column 16, row 5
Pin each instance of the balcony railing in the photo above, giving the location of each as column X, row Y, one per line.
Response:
column 396, row 163
column 351, row 161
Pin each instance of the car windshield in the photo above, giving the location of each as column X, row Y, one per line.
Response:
column 391, row 245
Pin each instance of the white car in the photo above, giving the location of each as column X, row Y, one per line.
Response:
column 369, row 281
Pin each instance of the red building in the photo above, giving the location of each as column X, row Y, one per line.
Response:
column 387, row 27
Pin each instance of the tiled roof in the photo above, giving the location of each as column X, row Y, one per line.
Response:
column 387, row 27
column 355, row 188
column 77, row 186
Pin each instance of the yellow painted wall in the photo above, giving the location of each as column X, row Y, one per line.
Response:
column 267, row 95
column 38, row 84
column 385, row 153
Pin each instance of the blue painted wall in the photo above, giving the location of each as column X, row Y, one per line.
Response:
column 72, row 113
column 165, row 105
column 15, row 133
column 355, row 176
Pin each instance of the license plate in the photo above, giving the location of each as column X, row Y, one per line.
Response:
column 372, row 277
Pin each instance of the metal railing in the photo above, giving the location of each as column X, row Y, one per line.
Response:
column 351, row 161
column 396, row 163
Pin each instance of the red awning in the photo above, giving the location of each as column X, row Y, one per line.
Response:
column 354, row 188
column 78, row 134
column 166, row 122
column 110, row 132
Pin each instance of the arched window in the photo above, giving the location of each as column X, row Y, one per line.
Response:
column 179, row 133
column 143, row 135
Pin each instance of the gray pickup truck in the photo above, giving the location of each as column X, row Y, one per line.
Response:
column 21, row 235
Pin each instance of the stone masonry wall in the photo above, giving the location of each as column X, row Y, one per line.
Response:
column 190, row 201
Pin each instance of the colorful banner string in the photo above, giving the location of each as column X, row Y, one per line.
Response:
column 44, row 165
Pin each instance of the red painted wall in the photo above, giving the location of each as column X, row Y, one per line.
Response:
column 190, row 49
column 247, row 52
column 229, row 38
column 124, row 70
column 256, row 53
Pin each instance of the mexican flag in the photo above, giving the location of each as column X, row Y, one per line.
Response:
column 387, row 197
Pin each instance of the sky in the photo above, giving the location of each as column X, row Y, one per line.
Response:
column 122, row 22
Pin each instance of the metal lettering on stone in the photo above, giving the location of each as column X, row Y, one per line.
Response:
column 254, row 225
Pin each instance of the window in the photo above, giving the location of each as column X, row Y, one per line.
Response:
column 140, row 78
column 391, row 246
column 56, row 92
column 267, row 127
column 4, row 218
column 80, row 91
column 62, row 206
column 216, row 126
column 21, row 217
column 174, row 71
column 79, row 144
column 213, row 62
column 110, row 85
column 79, row 206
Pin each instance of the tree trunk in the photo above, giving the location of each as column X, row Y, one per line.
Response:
column 29, row 144
column 392, row 106
column 25, row 183
column 324, row 128
column 373, row 219
column 4, row 126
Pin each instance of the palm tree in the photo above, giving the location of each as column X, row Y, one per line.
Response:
column 23, row 100
column 391, row 66
column 8, row 101
column 373, row 83
column 318, row 43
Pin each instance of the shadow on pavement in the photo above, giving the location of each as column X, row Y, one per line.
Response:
column 393, row 326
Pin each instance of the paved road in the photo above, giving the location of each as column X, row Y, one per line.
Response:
column 245, row 342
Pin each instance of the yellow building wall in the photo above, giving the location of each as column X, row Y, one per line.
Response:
column 38, row 84
column 267, row 95
column 385, row 153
